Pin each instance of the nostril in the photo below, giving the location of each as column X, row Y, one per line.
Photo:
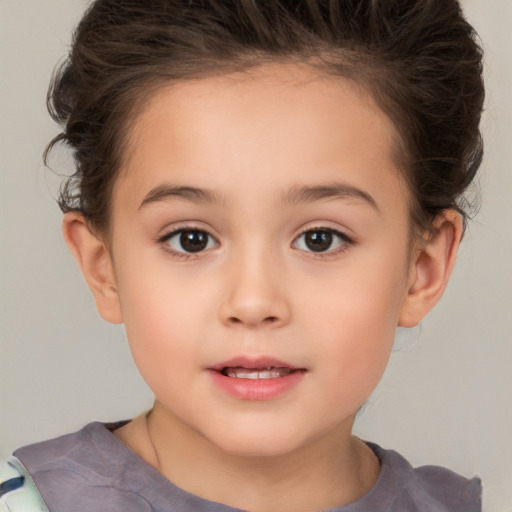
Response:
column 267, row 320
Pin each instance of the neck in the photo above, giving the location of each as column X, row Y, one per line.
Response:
column 334, row 470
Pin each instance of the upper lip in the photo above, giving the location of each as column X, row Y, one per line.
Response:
column 255, row 363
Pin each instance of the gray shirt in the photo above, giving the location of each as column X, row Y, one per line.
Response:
column 93, row 470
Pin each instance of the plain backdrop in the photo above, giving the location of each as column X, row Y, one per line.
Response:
column 446, row 397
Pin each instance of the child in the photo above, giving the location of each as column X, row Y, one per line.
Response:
column 263, row 192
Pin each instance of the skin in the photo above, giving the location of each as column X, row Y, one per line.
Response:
column 253, row 140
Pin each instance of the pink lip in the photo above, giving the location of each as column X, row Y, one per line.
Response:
column 255, row 389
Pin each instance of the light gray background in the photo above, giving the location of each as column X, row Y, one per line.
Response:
column 447, row 394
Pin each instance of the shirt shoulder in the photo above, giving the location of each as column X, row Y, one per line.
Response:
column 81, row 471
column 93, row 470
column 422, row 489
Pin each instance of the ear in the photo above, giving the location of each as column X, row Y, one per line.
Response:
column 94, row 259
column 431, row 268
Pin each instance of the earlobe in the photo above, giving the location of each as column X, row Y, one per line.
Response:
column 94, row 259
column 431, row 268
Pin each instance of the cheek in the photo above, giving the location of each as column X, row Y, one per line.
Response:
column 354, row 323
column 359, row 342
column 350, row 359
column 164, row 321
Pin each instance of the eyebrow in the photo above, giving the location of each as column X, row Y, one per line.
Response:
column 308, row 194
column 296, row 195
column 193, row 194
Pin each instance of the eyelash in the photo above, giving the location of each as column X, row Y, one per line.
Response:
column 345, row 242
column 183, row 255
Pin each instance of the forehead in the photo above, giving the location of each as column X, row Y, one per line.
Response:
column 275, row 127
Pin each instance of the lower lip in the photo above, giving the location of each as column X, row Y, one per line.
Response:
column 256, row 389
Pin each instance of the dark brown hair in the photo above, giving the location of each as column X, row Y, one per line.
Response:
column 418, row 58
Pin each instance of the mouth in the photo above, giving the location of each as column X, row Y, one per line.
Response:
column 269, row 372
column 262, row 378
column 255, row 368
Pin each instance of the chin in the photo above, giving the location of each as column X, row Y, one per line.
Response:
column 265, row 441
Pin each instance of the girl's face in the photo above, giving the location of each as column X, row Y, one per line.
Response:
column 260, row 244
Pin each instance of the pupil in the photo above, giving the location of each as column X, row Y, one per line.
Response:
column 318, row 241
column 193, row 241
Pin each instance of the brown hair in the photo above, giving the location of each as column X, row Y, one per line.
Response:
column 418, row 58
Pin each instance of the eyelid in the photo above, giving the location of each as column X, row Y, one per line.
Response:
column 170, row 234
column 347, row 241
column 177, row 227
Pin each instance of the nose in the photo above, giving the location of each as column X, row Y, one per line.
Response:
column 255, row 295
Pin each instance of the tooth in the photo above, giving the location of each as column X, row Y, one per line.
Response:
column 243, row 373
column 268, row 373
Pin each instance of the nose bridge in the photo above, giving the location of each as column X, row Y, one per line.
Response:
column 255, row 291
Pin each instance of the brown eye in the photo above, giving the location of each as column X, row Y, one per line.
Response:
column 193, row 241
column 321, row 240
column 190, row 241
column 318, row 241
